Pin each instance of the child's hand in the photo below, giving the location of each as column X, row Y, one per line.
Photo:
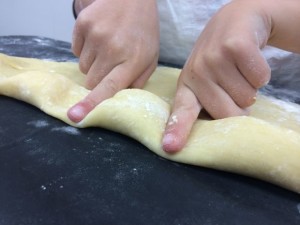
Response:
column 117, row 42
column 223, row 72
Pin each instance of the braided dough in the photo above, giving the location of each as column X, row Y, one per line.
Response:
column 265, row 145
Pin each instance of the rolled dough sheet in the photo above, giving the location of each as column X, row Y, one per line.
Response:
column 264, row 145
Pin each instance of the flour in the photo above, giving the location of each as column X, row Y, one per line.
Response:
column 149, row 104
column 43, row 187
column 173, row 120
column 151, row 107
column 57, row 184
column 287, row 107
column 67, row 129
column 38, row 123
column 25, row 92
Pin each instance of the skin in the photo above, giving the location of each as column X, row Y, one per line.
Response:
column 117, row 45
column 222, row 75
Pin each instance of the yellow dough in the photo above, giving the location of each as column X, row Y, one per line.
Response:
column 265, row 145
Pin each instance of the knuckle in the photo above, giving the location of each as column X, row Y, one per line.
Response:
column 83, row 21
column 263, row 78
column 234, row 46
column 90, row 83
column 97, row 35
column 83, row 66
column 214, row 59
column 85, row 61
column 192, row 72
column 94, row 32
column 206, row 63
column 117, row 44
column 111, row 86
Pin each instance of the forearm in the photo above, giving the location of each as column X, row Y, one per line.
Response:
column 285, row 19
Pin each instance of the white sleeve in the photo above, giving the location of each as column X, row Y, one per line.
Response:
column 181, row 23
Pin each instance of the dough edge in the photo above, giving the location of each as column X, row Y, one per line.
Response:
column 271, row 153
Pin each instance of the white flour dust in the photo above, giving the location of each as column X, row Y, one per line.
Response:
column 54, row 184
column 38, row 123
column 67, row 129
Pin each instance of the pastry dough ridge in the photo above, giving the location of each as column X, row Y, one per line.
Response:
column 264, row 145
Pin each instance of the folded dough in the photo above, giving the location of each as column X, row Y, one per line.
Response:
column 265, row 145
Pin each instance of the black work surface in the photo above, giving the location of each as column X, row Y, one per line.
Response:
column 51, row 173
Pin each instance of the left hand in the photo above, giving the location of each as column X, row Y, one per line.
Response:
column 223, row 72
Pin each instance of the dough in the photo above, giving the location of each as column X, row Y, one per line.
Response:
column 265, row 145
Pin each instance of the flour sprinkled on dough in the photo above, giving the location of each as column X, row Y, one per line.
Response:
column 173, row 120
column 24, row 91
column 152, row 109
column 225, row 129
column 287, row 107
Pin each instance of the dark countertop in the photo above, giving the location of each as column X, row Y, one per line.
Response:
column 51, row 173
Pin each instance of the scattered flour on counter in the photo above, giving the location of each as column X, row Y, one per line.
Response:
column 134, row 171
column 54, row 184
column 67, row 129
column 38, row 123
column 43, row 187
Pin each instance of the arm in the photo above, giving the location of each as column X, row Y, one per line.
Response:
column 226, row 67
column 285, row 21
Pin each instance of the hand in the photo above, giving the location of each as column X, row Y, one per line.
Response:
column 117, row 42
column 223, row 72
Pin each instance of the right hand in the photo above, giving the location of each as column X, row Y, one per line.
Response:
column 117, row 42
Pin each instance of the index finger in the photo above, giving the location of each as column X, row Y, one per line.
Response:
column 119, row 77
column 185, row 112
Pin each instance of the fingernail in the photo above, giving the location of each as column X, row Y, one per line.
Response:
column 167, row 142
column 76, row 113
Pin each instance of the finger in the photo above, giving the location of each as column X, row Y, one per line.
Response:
column 252, row 64
column 117, row 79
column 77, row 41
column 77, row 112
column 142, row 79
column 213, row 98
column 235, row 84
column 186, row 109
column 98, row 70
column 86, row 58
